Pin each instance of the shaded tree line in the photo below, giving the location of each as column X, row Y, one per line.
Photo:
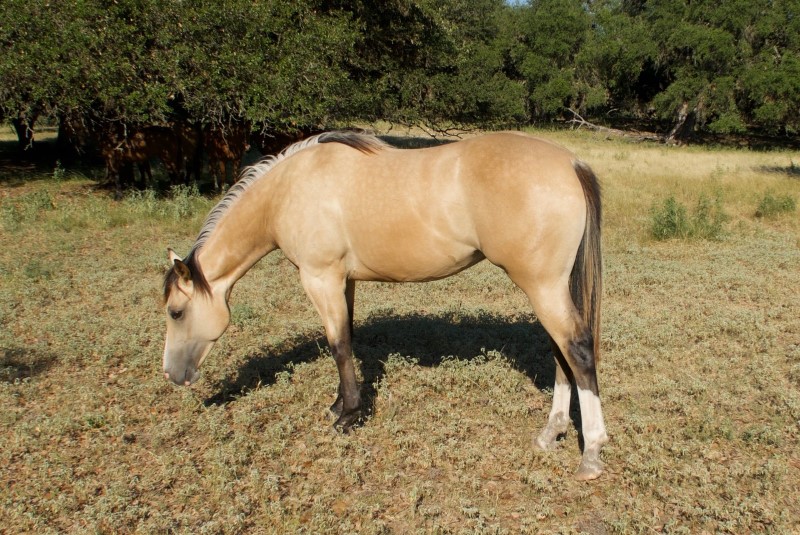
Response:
column 287, row 68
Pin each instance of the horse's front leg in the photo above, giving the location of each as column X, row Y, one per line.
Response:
column 332, row 297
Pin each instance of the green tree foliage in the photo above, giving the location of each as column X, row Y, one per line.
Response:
column 613, row 59
column 434, row 61
column 130, row 60
column 725, row 65
column 471, row 85
column 278, row 63
column 721, row 66
column 551, row 33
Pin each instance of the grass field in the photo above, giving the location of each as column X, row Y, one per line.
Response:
column 700, row 375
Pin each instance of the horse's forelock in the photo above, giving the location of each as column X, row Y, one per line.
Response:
column 198, row 277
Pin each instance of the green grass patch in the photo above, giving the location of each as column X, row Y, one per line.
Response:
column 15, row 212
column 671, row 219
column 773, row 205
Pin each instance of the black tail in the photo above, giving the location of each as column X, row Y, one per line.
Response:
column 586, row 280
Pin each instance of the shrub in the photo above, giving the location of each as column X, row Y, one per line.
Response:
column 709, row 219
column 180, row 203
column 59, row 173
column 771, row 205
column 670, row 219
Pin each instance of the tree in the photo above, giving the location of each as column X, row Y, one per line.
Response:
column 471, row 85
column 770, row 83
column 275, row 63
column 613, row 60
column 437, row 62
column 724, row 65
column 39, row 66
column 550, row 34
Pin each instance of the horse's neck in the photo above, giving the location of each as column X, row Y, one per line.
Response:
column 241, row 238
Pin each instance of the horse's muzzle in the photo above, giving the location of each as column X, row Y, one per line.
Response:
column 184, row 377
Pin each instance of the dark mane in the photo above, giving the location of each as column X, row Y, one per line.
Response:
column 362, row 142
column 198, row 278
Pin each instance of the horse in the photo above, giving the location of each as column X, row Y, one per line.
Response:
column 225, row 145
column 190, row 151
column 121, row 146
column 347, row 207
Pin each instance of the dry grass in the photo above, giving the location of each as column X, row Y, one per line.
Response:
column 700, row 377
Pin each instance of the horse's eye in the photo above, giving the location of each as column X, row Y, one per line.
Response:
column 176, row 314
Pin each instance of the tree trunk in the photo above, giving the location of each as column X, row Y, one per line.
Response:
column 683, row 130
column 23, row 124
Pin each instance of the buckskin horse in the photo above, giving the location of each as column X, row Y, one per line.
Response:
column 120, row 145
column 346, row 207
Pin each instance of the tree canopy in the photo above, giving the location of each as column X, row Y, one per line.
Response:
column 717, row 66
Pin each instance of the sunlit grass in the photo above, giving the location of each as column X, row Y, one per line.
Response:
column 700, row 376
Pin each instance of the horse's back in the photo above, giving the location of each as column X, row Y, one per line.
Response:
column 418, row 214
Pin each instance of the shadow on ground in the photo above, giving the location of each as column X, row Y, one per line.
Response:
column 791, row 171
column 430, row 339
column 21, row 363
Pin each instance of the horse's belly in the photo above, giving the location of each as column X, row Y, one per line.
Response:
column 411, row 264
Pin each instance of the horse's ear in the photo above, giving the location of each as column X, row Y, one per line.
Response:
column 182, row 270
column 173, row 256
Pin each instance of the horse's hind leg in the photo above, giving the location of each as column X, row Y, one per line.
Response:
column 558, row 315
column 558, row 421
column 349, row 293
column 331, row 296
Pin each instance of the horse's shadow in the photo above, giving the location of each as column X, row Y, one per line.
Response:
column 428, row 339
column 17, row 363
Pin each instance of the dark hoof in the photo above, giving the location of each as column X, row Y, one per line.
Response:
column 347, row 421
column 337, row 406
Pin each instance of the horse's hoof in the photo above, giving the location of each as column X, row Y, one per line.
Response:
column 347, row 421
column 547, row 440
column 589, row 469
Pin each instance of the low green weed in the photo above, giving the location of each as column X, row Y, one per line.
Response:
column 183, row 199
column 59, row 173
column 182, row 202
column 671, row 219
column 709, row 219
column 774, row 205
column 24, row 209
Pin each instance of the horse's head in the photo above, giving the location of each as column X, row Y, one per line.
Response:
column 196, row 317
